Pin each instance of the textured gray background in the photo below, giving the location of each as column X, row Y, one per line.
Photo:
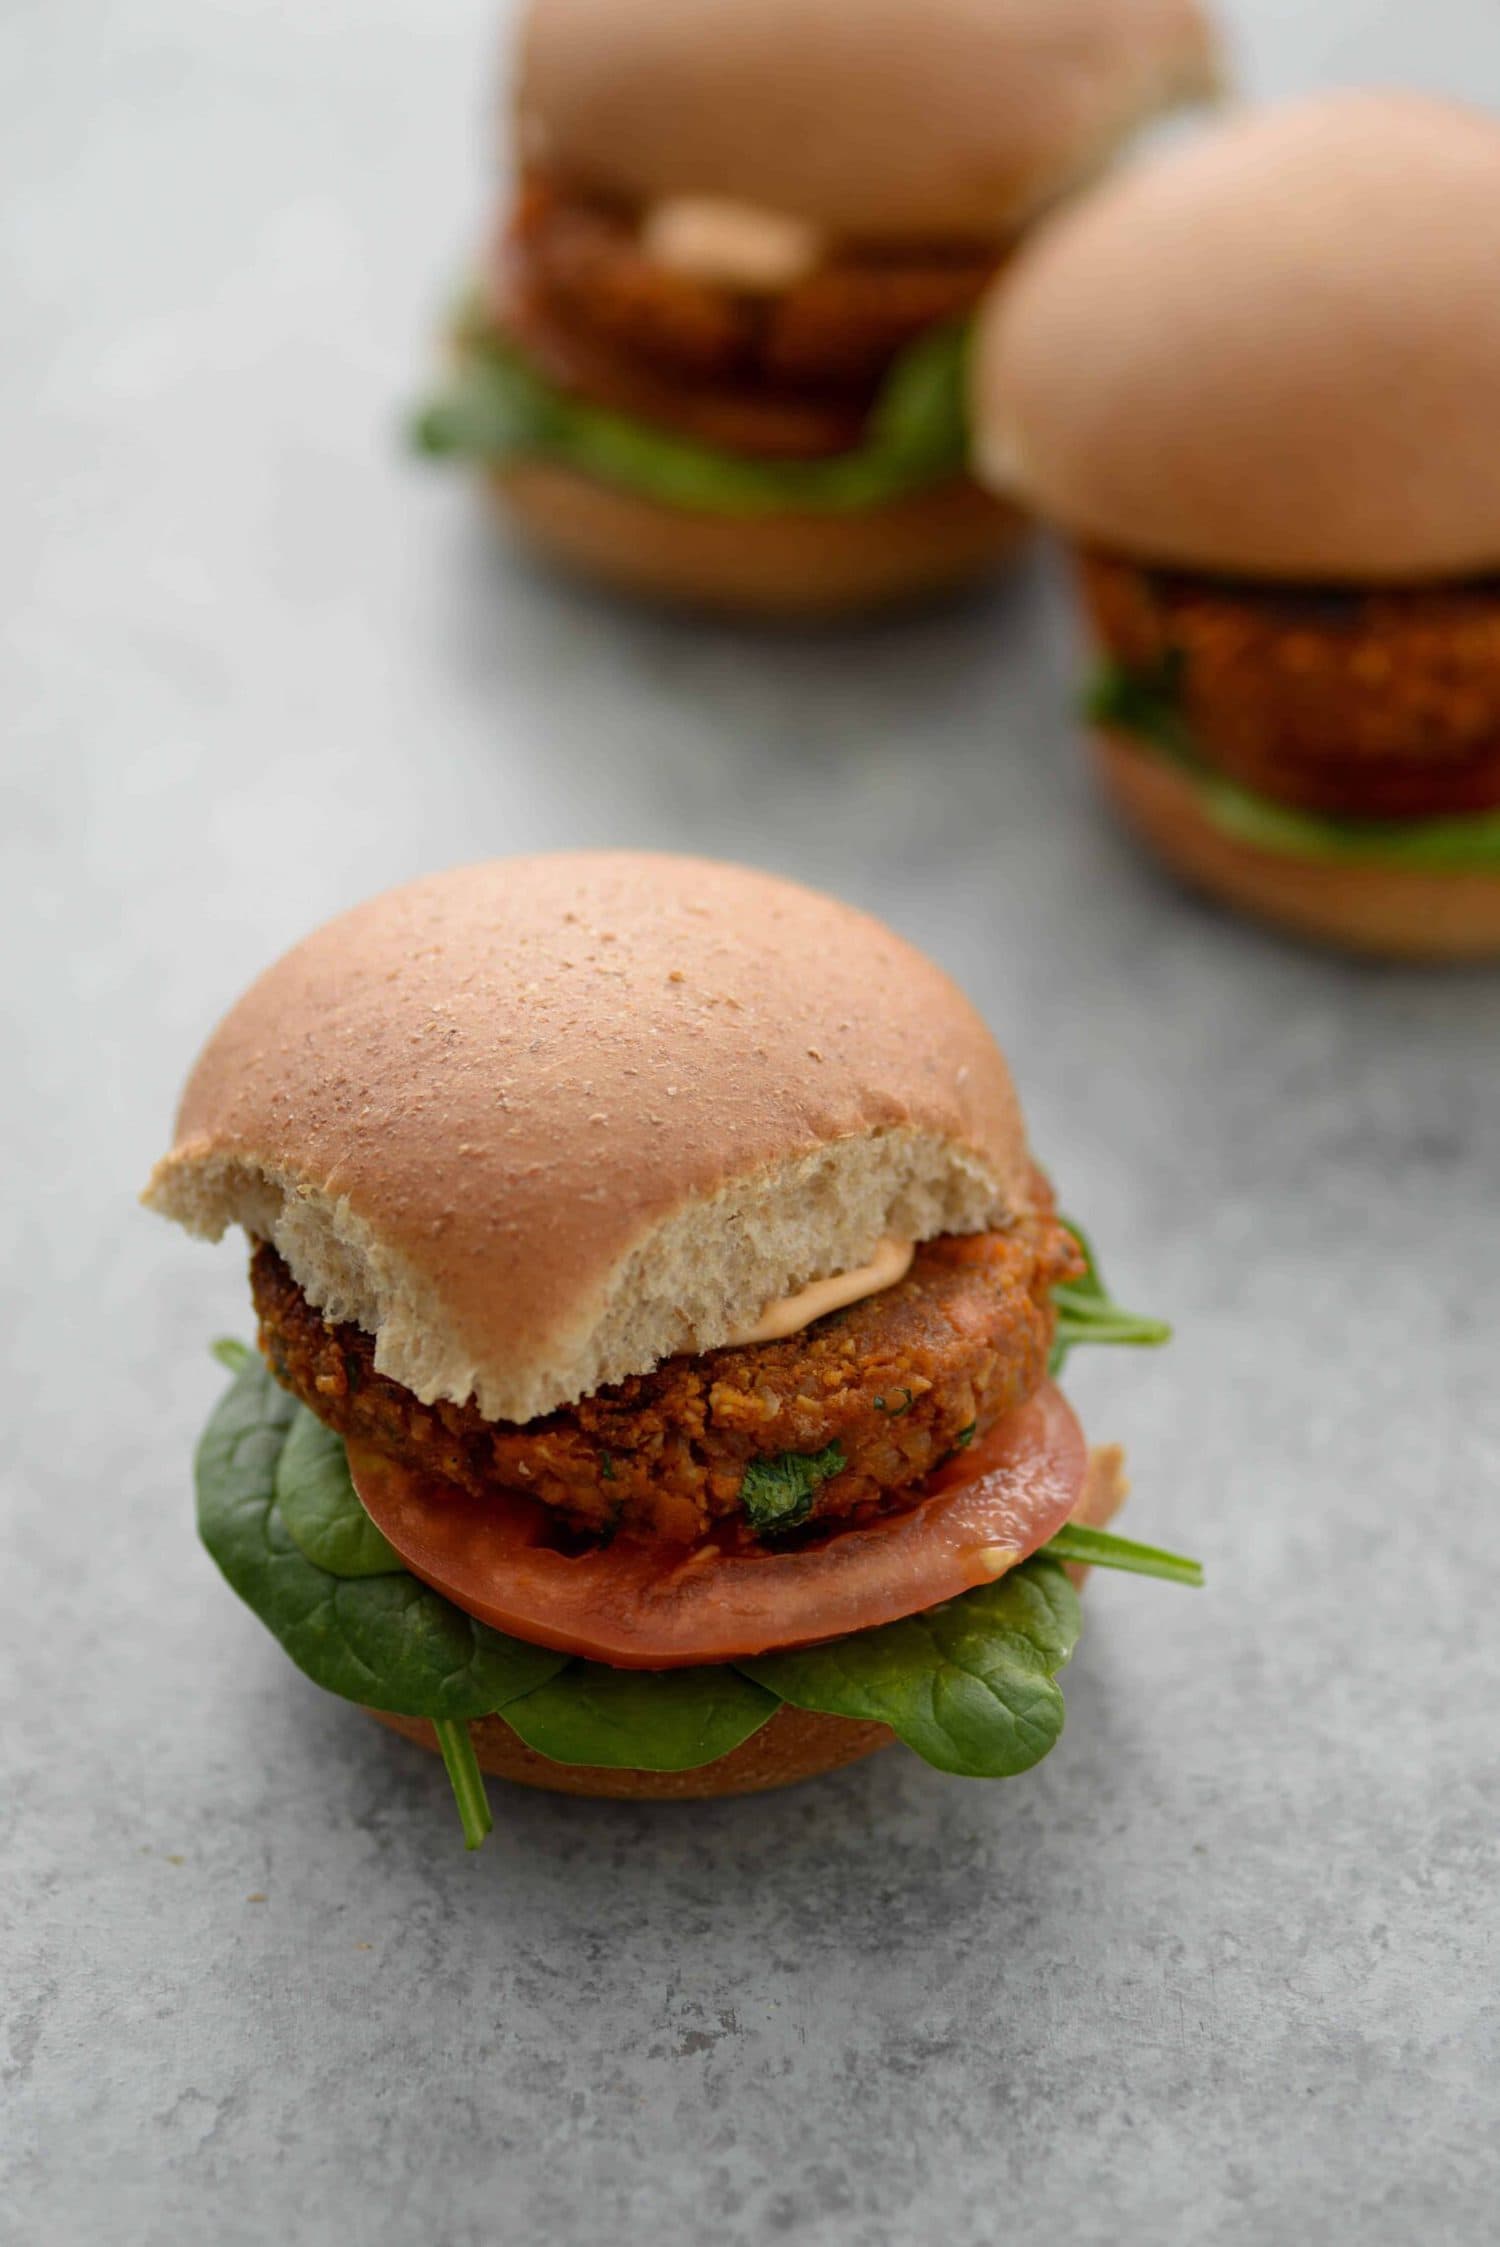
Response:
column 1223, row 1970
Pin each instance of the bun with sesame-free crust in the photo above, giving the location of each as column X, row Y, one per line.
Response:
column 538, row 1124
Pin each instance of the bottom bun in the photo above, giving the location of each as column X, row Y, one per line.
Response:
column 784, row 566
column 791, row 1745
column 1390, row 912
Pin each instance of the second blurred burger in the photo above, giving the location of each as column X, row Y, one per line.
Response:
column 715, row 352
column 1256, row 385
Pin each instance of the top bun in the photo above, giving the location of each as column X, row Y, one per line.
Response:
column 888, row 119
column 1276, row 354
column 538, row 1124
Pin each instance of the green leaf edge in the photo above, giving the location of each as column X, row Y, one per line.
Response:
column 499, row 406
column 924, row 1707
column 319, row 1617
column 563, row 1720
column 1087, row 1313
column 1145, row 708
column 1076, row 1542
column 315, row 1532
column 321, row 1588
column 456, row 1744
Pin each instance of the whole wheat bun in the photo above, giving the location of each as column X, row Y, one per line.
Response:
column 1275, row 354
column 792, row 1745
column 895, row 120
column 1389, row 912
column 538, row 1124
column 781, row 567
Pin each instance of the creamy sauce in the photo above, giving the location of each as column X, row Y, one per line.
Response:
column 891, row 1262
column 732, row 244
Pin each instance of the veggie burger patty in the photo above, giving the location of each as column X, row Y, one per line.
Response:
column 837, row 328
column 1361, row 702
column 896, row 1383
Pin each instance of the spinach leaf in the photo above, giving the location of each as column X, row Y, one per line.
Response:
column 498, row 406
column 1145, row 703
column 386, row 1640
column 645, row 1720
column 1087, row 1313
column 777, row 1494
column 1147, row 706
column 968, row 1685
column 921, row 414
column 383, row 1640
column 1100, row 1548
column 320, row 1507
column 896, row 1411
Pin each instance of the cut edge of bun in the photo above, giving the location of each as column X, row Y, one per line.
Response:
column 1386, row 912
column 703, row 1274
column 782, row 567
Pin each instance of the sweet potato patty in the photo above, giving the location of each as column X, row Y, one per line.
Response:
column 1367, row 702
column 785, row 373
column 897, row 1382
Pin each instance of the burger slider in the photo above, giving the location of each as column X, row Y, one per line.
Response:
column 715, row 351
column 1256, row 385
column 659, row 1312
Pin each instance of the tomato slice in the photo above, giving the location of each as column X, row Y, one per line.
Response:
column 639, row 1604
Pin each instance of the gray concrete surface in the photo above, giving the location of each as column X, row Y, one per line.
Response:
column 1222, row 1971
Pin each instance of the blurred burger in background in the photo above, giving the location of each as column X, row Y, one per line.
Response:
column 1257, row 384
column 715, row 351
